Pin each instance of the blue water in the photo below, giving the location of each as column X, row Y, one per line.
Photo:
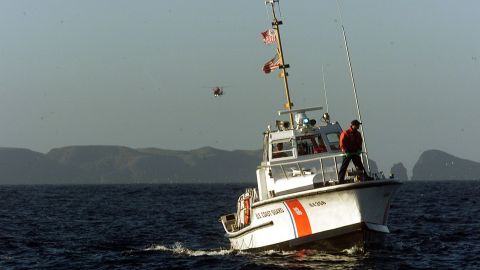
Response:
column 434, row 225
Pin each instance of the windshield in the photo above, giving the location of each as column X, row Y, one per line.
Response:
column 310, row 144
column 334, row 140
column 282, row 149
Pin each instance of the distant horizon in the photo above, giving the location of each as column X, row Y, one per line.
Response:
column 200, row 183
column 387, row 170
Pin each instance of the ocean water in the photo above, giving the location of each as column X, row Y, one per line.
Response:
column 434, row 225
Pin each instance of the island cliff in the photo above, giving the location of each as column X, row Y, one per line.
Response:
column 121, row 165
column 124, row 165
column 438, row 165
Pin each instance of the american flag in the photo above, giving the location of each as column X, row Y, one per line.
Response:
column 269, row 36
column 272, row 64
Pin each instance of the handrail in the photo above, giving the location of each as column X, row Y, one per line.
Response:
column 304, row 160
column 297, row 163
column 301, row 169
column 323, row 173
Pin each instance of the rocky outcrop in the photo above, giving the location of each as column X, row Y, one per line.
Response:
column 399, row 171
column 438, row 165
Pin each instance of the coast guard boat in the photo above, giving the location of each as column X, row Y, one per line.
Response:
column 299, row 202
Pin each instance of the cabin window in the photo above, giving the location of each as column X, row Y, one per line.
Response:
column 307, row 145
column 320, row 145
column 333, row 141
column 282, row 149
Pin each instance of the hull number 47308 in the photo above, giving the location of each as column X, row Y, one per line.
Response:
column 317, row 203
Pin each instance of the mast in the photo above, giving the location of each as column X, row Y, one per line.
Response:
column 276, row 26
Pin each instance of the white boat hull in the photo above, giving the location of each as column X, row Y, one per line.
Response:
column 310, row 217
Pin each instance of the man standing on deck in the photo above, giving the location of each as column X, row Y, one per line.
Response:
column 351, row 144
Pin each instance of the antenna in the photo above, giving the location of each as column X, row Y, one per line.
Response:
column 325, row 89
column 353, row 84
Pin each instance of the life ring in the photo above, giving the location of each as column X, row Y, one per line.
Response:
column 246, row 210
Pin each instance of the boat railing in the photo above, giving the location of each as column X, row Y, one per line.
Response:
column 327, row 166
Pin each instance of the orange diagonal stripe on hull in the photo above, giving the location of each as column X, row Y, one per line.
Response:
column 300, row 216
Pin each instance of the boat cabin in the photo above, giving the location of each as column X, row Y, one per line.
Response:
column 292, row 144
column 304, row 157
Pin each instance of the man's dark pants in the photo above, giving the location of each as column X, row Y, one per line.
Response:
column 357, row 161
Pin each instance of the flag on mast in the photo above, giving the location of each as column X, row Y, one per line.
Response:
column 274, row 63
column 269, row 36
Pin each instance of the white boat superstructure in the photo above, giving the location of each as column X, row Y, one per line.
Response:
column 299, row 201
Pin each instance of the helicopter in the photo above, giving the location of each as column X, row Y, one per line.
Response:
column 217, row 91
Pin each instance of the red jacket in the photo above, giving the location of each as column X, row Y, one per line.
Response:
column 351, row 141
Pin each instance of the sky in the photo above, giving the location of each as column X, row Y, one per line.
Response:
column 138, row 73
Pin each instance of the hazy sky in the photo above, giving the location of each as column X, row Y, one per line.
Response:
column 137, row 73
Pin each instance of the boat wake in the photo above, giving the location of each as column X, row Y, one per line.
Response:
column 269, row 259
column 355, row 250
column 179, row 249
